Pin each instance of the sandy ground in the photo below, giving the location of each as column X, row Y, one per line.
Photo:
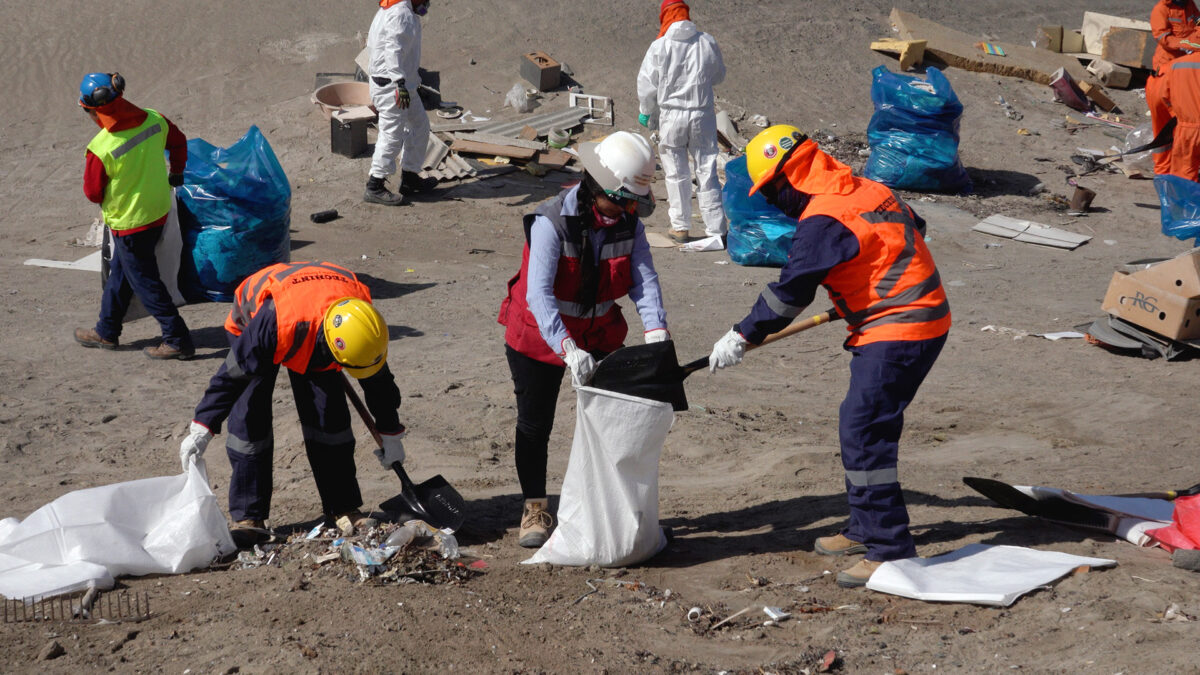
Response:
column 749, row 477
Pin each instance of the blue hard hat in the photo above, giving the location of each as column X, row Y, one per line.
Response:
column 97, row 89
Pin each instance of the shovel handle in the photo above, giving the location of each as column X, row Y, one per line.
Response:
column 828, row 315
column 365, row 415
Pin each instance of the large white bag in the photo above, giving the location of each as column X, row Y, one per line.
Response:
column 164, row 525
column 608, row 510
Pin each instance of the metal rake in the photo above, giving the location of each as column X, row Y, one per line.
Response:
column 90, row 606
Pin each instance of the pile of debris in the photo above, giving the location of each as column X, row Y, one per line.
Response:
column 414, row 552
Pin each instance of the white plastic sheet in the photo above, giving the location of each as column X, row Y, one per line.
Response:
column 164, row 525
column 608, row 510
column 977, row 574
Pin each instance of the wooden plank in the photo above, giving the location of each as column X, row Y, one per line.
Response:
column 1096, row 93
column 553, row 159
column 949, row 47
column 910, row 52
column 477, row 148
column 528, row 133
column 1129, row 47
column 496, row 139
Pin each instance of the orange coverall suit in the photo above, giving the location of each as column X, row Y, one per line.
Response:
column 1181, row 93
column 1170, row 24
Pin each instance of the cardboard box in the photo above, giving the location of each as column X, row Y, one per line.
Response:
column 1164, row 298
column 1129, row 47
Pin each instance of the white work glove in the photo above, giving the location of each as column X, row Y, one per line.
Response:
column 581, row 363
column 392, row 450
column 194, row 444
column 657, row 335
column 728, row 351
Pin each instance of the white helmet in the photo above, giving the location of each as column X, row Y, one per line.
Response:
column 623, row 165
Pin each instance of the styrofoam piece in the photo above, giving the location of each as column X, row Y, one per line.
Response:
column 978, row 574
column 729, row 132
column 88, row 263
column 567, row 118
column 163, row 525
column 1029, row 232
column 608, row 509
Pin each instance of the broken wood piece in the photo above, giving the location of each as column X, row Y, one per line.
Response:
column 528, row 133
column 911, row 52
column 553, row 159
column 491, row 149
column 957, row 49
column 1096, row 93
column 1029, row 232
column 1129, row 47
column 729, row 618
column 497, row 139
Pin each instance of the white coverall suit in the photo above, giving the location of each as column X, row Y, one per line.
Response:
column 394, row 50
column 675, row 84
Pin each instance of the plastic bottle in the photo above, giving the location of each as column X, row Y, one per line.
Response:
column 447, row 545
column 401, row 537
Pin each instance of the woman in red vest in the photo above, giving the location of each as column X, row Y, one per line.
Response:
column 861, row 242
column 583, row 250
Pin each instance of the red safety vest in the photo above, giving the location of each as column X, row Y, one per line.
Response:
column 301, row 293
column 891, row 290
column 595, row 326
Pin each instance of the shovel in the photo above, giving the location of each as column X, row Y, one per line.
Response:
column 652, row 370
column 434, row 501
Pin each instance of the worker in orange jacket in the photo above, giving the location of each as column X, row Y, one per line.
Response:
column 1181, row 95
column 1173, row 23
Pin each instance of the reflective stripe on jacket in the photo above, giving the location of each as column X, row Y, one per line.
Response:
column 1169, row 25
column 137, row 192
column 301, row 292
column 891, row 290
column 589, row 312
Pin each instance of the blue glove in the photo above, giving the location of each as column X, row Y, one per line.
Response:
column 644, row 120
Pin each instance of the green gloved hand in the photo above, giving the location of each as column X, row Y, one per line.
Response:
column 644, row 120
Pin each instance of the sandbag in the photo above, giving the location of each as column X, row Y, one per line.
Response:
column 1180, row 202
column 608, row 510
column 163, row 525
column 235, row 210
column 759, row 234
column 913, row 133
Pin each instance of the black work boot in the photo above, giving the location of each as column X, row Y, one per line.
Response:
column 412, row 183
column 377, row 193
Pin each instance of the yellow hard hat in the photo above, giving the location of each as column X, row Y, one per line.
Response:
column 766, row 152
column 357, row 335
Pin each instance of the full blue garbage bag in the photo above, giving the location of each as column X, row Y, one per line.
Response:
column 235, row 209
column 913, row 133
column 1180, row 201
column 759, row 234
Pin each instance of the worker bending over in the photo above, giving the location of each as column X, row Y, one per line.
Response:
column 584, row 250
column 1173, row 25
column 866, row 246
column 315, row 319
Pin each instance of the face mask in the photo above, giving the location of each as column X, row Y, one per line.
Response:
column 422, row 10
column 602, row 220
column 790, row 200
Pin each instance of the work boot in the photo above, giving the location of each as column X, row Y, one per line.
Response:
column 411, row 183
column 377, row 193
column 163, row 352
column 679, row 236
column 250, row 533
column 354, row 521
column 838, row 544
column 536, row 522
column 88, row 337
column 857, row 576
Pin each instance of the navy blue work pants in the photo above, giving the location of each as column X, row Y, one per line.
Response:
column 134, row 269
column 884, row 378
column 328, row 442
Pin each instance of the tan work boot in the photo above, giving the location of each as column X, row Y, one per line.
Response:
column 838, row 544
column 88, row 337
column 351, row 521
column 536, row 522
column 679, row 236
column 249, row 533
column 164, row 352
column 858, row 575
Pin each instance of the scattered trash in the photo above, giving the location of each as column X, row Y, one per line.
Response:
column 450, row 112
column 694, row 614
column 558, row 138
column 323, row 216
column 776, row 613
column 542, row 71
column 977, row 574
column 759, row 121
column 1030, row 232
column 712, row 243
column 729, row 618
column 991, row 48
column 1015, row 332
column 1081, row 201
column 1172, row 614
column 1067, row 92
column 599, row 108
column 519, row 99
column 1062, row 335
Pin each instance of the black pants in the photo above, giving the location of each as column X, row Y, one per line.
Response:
column 536, row 385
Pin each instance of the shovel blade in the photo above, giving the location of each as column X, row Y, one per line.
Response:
column 435, row 501
column 648, row 371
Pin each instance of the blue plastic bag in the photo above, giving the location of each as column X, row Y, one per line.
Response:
column 1180, row 201
column 759, row 234
column 913, row 133
column 235, row 209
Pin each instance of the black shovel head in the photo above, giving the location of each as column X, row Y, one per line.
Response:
column 1055, row 509
column 648, row 371
column 433, row 501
